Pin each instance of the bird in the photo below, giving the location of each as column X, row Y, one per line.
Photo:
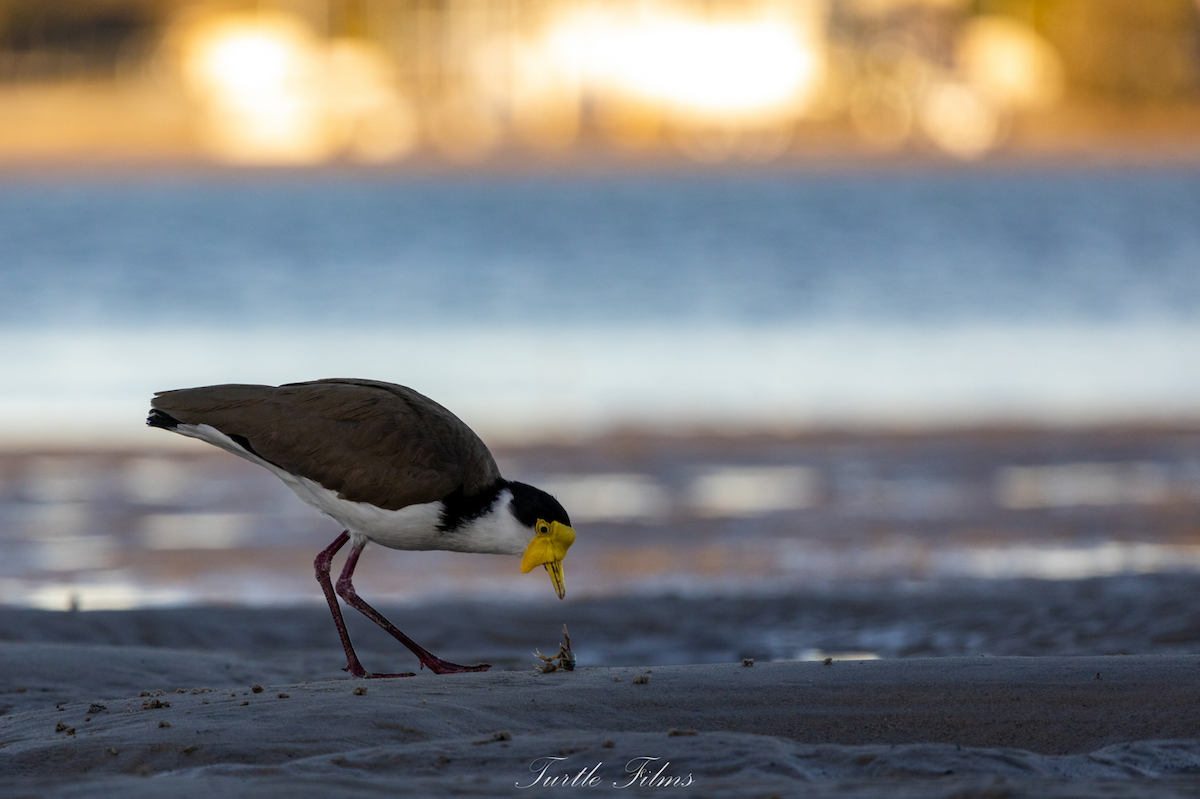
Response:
column 390, row 466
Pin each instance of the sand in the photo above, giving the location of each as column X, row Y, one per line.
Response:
column 88, row 719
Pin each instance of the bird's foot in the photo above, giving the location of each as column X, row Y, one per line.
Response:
column 439, row 666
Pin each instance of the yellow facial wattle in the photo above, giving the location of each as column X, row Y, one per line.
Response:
column 549, row 546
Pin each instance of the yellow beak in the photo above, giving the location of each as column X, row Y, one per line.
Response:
column 554, row 569
column 548, row 549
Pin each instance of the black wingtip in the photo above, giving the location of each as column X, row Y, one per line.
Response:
column 159, row 419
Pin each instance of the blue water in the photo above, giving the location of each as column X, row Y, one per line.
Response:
column 543, row 305
column 534, row 307
column 324, row 251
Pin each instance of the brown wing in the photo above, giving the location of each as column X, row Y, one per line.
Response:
column 369, row 441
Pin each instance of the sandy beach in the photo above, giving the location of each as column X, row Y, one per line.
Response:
column 205, row 702
column 928, row 554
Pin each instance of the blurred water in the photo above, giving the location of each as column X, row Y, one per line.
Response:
column 1085, row 247
column 655, row 515
column 536, row 306
column 567, row 304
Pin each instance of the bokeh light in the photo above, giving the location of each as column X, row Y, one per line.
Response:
column 1010, row 63
column 698, row 69
column 742, row 80
column 259, row 80
column 270, row 91
column 959, row 119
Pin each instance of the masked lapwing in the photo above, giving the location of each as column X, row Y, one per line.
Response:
column 390, row 466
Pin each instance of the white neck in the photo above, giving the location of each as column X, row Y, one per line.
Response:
column 496, row 531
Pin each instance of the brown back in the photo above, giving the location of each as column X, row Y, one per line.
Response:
column 369, row 441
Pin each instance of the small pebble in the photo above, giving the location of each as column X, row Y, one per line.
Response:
column 674, row 733
column 96, row 707
column 164, row 724
column 244, row 703
column 641, row 679
column 608, row 744
column 285, row 696
column 828, row 661
column 616, row 678
column 747, row 662
column 258, row 689
column 112, row 751
column 359, row 690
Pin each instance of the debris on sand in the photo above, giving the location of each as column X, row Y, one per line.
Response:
column 565, row 659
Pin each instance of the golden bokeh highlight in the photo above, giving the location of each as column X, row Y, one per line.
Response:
column 1010, row 63
column 700, row 69
column 1002, row 66
column 271, row 92
column 718, row 86
column 288, row 83
column 959, row 119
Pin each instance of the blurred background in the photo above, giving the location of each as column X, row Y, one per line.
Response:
column 776, row 296
column 535, row 81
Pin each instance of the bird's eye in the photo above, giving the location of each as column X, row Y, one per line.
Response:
column 543, row 529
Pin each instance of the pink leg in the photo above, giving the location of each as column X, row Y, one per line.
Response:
column 345, row 589
column 322, row 564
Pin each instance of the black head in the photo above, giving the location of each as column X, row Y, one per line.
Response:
column 551, row 531
column 530, row 504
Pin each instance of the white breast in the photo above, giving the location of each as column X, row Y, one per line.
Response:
column 415, row 527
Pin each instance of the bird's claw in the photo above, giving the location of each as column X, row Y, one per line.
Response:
column 439, row 666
